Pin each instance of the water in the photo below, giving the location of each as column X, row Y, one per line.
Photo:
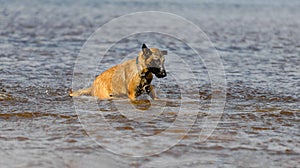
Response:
column 259, row 45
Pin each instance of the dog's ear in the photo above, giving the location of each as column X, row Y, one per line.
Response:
column 146, row 51
column 144, row 46
column 164, row 52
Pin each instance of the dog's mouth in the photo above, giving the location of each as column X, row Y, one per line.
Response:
column 158, row 72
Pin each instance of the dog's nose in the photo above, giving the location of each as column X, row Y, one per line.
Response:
column 163, row 73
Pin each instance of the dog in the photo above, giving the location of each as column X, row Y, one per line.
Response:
column 130, row 78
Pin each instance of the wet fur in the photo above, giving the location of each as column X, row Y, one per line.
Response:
column 128, row 78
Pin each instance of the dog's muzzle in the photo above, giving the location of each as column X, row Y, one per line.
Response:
column 161, row 74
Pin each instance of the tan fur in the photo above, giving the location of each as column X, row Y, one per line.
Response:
column 124, row 79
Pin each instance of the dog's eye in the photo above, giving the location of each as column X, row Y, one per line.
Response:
column 157, row 63
column 148, row 52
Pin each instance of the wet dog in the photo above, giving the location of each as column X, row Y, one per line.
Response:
column 131, row 78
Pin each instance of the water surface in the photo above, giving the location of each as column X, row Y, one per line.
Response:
column 259, row 44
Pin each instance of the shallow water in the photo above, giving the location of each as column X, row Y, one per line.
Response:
column 41, row 126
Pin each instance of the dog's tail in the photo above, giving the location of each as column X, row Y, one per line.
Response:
column 81, row 92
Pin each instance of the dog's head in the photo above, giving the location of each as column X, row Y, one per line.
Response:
column 154, row 60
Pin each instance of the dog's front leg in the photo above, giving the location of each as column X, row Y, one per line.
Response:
column 151, row 92
column 131, row 90
column 132, row 95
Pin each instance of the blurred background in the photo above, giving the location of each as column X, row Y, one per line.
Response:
column 258, row 42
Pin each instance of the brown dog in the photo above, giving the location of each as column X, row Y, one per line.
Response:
column 131, row 78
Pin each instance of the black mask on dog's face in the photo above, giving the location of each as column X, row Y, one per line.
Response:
column 155, row 61
column 156, row 66
column 160, row 73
